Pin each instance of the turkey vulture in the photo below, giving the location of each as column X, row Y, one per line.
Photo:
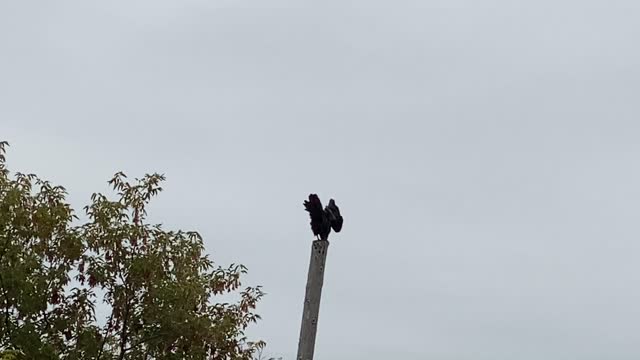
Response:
column 322, row 221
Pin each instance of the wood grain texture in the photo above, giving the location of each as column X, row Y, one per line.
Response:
column 315, row 279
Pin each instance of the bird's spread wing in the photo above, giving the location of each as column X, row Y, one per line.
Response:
column 333, row 212
column 314, row 207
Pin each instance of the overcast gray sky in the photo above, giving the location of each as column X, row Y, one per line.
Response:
column 484, row 155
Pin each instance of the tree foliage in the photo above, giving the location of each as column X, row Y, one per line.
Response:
column 158, row 289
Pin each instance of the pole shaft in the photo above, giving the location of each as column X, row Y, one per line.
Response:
column 309, row 326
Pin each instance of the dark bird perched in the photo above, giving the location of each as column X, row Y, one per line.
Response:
column 322, row 221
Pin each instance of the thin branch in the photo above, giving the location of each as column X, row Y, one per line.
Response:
column 144, row 341
column 106, row 335
column 123, row 341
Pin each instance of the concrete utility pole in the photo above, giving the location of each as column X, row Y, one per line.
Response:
column 311, row 309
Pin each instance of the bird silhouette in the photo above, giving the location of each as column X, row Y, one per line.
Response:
column 323, row 220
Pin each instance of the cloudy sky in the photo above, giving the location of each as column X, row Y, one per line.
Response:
column 485, row 155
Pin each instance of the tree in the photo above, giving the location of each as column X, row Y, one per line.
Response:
column 157, row 287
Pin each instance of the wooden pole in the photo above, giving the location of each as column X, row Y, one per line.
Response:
column 313, row 292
